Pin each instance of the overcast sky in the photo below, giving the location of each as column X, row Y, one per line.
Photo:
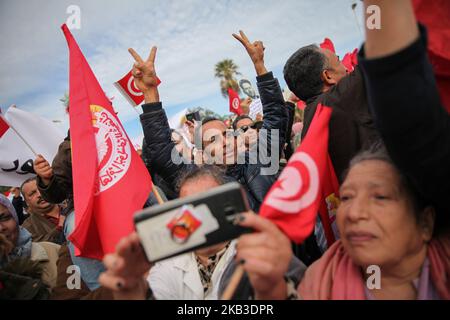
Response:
column 191, row 35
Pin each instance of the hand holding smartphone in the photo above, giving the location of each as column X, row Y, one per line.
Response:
column 191, row 223
column 193, row 116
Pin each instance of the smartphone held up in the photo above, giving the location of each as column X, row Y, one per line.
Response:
column 188, row 224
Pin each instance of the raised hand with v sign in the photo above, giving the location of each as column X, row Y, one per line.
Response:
column 144, row 75
column 255, row 50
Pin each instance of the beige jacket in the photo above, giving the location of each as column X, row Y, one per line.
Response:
column 47, row 255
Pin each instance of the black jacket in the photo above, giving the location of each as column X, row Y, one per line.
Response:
column 351, row 125
column 159, row 145
column 414, row 125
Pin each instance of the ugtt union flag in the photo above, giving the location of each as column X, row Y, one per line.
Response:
column 110, row 181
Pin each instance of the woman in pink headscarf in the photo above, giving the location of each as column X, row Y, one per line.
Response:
column 384, row 226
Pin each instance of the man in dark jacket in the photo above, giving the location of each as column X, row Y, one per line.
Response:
column 255, row 176
column 316, row 76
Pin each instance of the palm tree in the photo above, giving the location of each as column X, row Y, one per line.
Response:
column 226, row 70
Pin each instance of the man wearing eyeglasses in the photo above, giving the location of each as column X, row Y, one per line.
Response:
column 247, row 132
column 218, row 144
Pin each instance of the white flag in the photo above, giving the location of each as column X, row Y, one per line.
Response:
column 16, row 158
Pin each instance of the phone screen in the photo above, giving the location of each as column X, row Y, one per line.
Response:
column 191, row 223
column 193, row 116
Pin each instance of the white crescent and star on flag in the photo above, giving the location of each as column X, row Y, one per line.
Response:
column 235, row 103
column 285, row 196
column 131, row 85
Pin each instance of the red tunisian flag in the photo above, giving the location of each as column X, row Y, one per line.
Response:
column 110, row 181
column 329, row 203
column 235, row 102
column 301, row 104
column 305, row 186
column 4, row 126
column 328, row 44
column 128, row 89
column 434, row 15
column 350, row 60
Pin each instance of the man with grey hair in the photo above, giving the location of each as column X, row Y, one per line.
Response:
column 316, row 75
column 255, row 171
column 46, row 221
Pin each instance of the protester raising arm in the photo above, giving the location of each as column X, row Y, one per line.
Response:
column 144, row 75
column 399, row 29
column 154, row 121
column 404, row 99
column 255, row 50
column 43, row 170
column 275, row 112
column 55, row 181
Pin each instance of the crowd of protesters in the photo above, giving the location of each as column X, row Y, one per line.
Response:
column 389, row 143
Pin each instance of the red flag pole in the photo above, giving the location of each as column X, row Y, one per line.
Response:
column 157, row 195
column 234, row 282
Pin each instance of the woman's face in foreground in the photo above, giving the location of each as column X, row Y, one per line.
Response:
column 376, row 218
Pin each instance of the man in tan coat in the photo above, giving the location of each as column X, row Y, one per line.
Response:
column 45, row 221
